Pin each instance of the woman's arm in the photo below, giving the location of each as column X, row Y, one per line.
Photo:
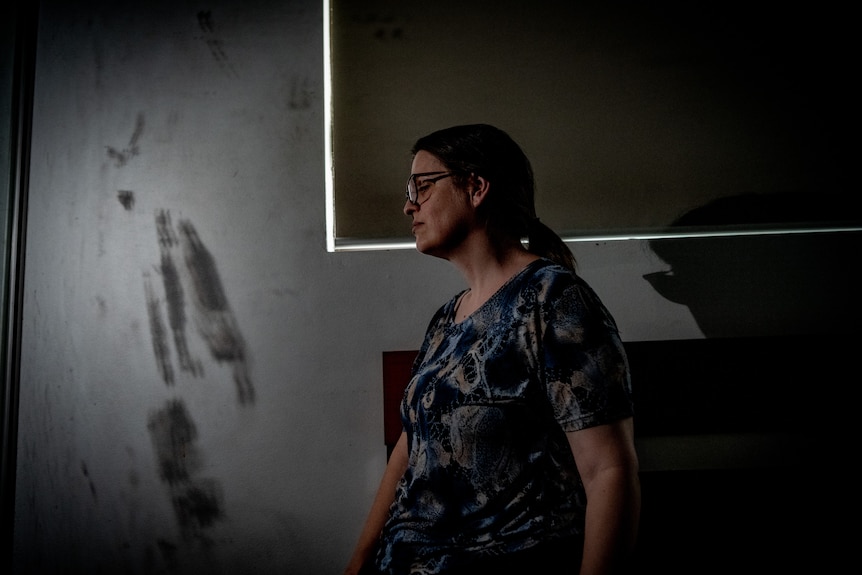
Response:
column 380, row 507
column 608, row 466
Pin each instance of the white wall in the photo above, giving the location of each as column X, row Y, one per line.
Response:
column 212, row 112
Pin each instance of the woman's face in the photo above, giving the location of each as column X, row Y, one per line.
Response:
column 443, row 216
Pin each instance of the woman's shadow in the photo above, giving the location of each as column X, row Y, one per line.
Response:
column 793, row 386
column 794, row 275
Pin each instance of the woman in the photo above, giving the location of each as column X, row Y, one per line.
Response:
column 517, row 450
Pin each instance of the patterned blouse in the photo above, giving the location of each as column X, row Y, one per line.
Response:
column 490, row 469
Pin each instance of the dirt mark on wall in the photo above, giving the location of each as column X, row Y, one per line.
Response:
column 190, row 295
column 174, row 294
column 197, row 501
column 127, row 199
column 121, row 157
column 158, row 332
column 215, row 44
column 189, row 319
column 188, row 267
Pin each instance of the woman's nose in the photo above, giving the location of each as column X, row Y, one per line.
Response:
column 409, row 207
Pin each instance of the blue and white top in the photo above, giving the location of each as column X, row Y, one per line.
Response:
column 490, row 469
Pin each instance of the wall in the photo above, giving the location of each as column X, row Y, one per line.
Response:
column 201, row 385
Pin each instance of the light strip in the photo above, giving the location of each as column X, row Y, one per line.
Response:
column 327, row 130
column 356, row 245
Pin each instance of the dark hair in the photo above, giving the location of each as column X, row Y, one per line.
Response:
column 509, row 210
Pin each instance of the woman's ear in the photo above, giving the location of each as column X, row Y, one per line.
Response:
column 479, row 187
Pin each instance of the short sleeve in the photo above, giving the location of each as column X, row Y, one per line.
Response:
column 585, row 369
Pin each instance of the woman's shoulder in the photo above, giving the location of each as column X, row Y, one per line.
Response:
column 546, row 272
column 552, row 282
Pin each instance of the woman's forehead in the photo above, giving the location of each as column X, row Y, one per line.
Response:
column 426, row 162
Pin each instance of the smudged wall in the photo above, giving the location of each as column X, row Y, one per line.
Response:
column 201, row 381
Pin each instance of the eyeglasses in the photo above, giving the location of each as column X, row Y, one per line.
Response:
column 414, row 186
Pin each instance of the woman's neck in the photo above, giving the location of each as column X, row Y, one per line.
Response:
column 486, row 271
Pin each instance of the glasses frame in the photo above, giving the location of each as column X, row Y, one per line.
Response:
column 413, row 185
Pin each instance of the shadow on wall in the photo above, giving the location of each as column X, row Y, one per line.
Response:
column 770, row 284
column 793, row 293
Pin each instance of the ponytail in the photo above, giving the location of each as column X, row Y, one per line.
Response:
column 544, row 242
